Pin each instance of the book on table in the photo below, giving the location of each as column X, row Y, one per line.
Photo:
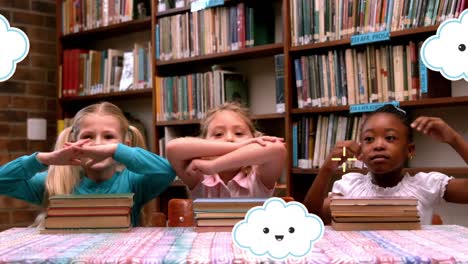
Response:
column 376, row 226
column 373, row 200
column 222, row 212
column 87, row 211
column 374, row 213
column 218, row 221
column 226, row 204
column 92, row 200
column 114, row 221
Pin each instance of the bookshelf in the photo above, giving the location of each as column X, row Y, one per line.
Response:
column 298, row 180
column 92, row 28
column 257, row 64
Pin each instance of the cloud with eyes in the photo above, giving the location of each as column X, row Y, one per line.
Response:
column 278, row 230
column 14, row 47
column 447, row 51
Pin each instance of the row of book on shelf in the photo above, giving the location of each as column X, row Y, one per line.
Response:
column 189, row 96
column 81, row 15
column 89, row 213
column 359, row 76
column 374, row 213
column 313, row 138
column 214, row 30
column 86, row 72
column 321, row 20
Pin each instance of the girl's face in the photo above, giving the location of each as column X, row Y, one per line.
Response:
column 228, row 126
column 101, row 130
column 384, row 143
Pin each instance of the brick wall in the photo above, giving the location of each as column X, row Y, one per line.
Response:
column 31, row 92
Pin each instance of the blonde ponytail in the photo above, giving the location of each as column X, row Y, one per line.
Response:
column 62, row 179
column 135, row 137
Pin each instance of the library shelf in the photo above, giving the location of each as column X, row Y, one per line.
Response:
column 252, row 52
column 139, row 93
column 347, row 41
column 197, row 121
column 422, row 103
column 113, row 30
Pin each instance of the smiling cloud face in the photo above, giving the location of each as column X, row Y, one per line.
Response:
column 14, row 46
column 278, row 229
column 447, row 51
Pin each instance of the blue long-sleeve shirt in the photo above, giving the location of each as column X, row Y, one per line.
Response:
column 146, row 174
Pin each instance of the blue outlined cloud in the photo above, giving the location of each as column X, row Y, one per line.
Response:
column 278, row 230
column 447, row 51
column 14, row 47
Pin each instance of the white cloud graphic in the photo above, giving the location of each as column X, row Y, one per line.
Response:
column 278, row 229
column 447, row 51
column 14, row 46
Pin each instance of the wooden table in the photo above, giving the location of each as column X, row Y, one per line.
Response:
column 447, row 244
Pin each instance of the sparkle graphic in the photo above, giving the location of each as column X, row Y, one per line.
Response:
column 344, row 155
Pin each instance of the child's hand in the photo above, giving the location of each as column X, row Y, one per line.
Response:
column 92, row 154
column 199, row 167
column 68, row 155
column 260, row 140
column 435, row 127
column 353, row 150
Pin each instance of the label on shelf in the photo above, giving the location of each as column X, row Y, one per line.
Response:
column 370, row 37
column 203, row 4
column 422, row 78
column 361, row 108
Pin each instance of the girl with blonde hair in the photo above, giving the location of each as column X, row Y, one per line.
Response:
column 230, row 158
column 99, row 153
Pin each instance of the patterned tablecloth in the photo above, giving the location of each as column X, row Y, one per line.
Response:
column 436, row 244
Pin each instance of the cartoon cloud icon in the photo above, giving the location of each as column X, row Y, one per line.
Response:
column 447, row 51
column 14, row 46
column 278, row 230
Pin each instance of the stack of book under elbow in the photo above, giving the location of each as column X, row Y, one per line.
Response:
column 89, row 213
column 374, row 213
column 222, row 213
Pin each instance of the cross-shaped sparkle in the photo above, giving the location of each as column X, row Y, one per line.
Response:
column 344, row 155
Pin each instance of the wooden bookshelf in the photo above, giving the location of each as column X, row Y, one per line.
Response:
column 425, row 103
column 299, row 180
column 197, row 121
column 173, row 11
column 141, row 93
column 253, row 52
column 177, row 122
column 346, row 42
column 105, row 32
column 180, row 10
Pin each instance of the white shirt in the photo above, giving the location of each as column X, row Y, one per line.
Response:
column 428, row 188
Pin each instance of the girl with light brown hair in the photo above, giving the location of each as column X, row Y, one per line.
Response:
column 230, row 158
column 99, row 153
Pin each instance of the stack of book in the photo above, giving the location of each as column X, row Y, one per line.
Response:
column 222, row 212
column 89, row 213
column 374, row 213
